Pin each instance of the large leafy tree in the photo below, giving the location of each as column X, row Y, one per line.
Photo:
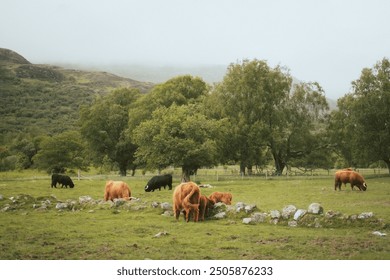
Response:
column 104, row 126
column 367, row 116
column 342, row 132
column 61, row 152
column 178, row 136
column 297, row 140
column 179, row 90
column 267, row 113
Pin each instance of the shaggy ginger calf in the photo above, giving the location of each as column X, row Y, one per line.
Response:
column 186, row 198
column 221, row 197
column 204, row 205
column 117, row 189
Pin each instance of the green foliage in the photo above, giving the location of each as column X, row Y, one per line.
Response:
column 61, row 152
column 267, row 114
column 180, row 90
column 104, row 125
column 48, row 98
column 180, row 136
column 361, row 127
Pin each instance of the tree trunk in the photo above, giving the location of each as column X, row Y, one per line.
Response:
column 250, row 170
column 242, row 169
column 185, row 174
column 133, row 171
column 279, row 164
column 123, row 170
column 387, row 161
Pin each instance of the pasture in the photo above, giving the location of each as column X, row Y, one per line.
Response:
column 103, row 231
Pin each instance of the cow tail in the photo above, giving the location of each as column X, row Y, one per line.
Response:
column 187, row 198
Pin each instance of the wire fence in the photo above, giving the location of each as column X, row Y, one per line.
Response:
column 202, row 175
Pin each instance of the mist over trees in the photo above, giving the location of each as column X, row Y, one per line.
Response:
column 257, row 117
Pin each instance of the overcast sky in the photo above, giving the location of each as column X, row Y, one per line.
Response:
column 325, row 41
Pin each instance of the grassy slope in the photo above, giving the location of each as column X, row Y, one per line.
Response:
column 105, row 234
column 47, row 98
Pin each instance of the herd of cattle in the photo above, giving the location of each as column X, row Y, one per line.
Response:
column 187, row 197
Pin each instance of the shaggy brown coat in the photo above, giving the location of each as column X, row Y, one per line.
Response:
column 205, row 204
column 117, row 189
column 221, row 197
column 186, row 198
column 349, row 176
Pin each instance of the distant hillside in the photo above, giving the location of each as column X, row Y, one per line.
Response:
column 159, row 74
column 12, row 57
column 46, row 97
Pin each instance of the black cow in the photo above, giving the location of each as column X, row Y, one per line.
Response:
column 158, row 182
column 63, row 180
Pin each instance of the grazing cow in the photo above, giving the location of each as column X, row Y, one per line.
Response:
column 63, row 180
column 158, row 182
column 221, row 197
column 186, row 198
column 117, row 189
column 349, row 176
column 205, row 204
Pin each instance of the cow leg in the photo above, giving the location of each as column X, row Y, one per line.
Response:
column 196, row 214
column 187, row 215
column 177, row 214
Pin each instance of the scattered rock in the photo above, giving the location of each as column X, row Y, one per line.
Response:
column 166, row 206
column 255, row 218
column 220, row 215
column 247, row 221
column 258, row 217
column 86, row 199
column 119, row 201
column 366, row 215
column 378, row 233
column 6, row 208
column 331, row 214
column 275, row 214
column 288, row 211
column 299, row 214
column 315, row 208
column 353, row 217
column 167, row 213
column 155, row 204
column 317, row 223
column 249, row 208
column 207, row 186
column 1, row 197
column 62, row 206
column 240, row 206
column 292, row 223
column 162, row 233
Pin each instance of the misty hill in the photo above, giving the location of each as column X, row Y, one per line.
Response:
column 157, row 74
column 47, row 98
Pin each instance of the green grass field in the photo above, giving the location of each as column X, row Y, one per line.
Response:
column 128, row 232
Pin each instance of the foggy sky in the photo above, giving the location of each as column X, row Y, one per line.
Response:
column 325, row 41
